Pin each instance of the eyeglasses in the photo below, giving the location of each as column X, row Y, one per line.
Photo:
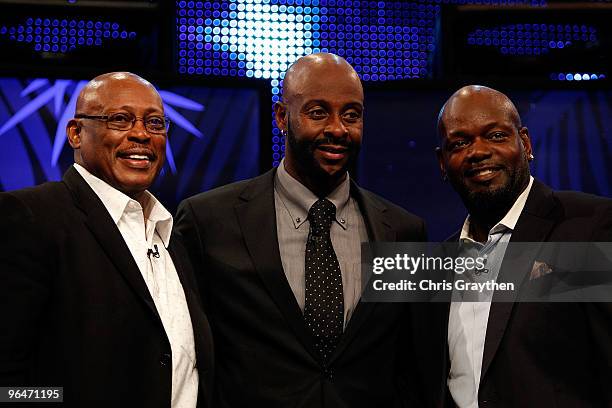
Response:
column 126, row 121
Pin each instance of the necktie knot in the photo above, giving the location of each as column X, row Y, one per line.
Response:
column 321, row 215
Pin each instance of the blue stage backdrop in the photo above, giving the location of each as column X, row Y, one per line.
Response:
column 570, row 132
column 215, row 137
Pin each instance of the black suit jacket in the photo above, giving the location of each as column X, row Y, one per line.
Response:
column 74, row 307
column 535, row 354
column 264, row 352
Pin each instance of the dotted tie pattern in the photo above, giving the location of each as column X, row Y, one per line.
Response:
column 324, row 303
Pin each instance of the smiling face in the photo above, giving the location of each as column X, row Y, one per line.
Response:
column 128, row 160
column 484, row 150
column 322, row 115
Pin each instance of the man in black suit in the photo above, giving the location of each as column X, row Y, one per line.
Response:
column 512, row 354
column 96, row 296
column 278, row 258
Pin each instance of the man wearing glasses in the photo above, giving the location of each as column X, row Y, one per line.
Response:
column 97, row 297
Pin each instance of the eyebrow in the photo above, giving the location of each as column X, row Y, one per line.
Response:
column 326, row 103
column 131, row 108
column 485, row 129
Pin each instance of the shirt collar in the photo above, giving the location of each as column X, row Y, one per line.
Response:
column 118, row 203
column 508, row 222
column 298, row 199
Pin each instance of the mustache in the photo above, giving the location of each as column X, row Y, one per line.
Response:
column 330, row 141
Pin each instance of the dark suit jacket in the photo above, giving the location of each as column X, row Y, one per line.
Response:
column 74, row 307
column 535, row 354
column 264, row 352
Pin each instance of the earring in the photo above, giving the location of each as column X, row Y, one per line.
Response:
column 444, row 177
column 531, row 157
column 283, row 133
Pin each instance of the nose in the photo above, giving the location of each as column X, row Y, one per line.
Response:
column 138, row 132
column 478, row 150
column 335, row 127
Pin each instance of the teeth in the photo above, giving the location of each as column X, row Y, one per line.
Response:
column 137, row 157
column 332, row 150
column 484, row 172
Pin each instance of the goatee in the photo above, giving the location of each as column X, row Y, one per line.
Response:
column 304, row 153
column 490, row 206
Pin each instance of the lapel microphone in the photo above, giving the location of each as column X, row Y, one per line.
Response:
column 155, row 252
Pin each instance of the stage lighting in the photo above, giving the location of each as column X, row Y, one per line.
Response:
column 522, row 42
column 86, row 35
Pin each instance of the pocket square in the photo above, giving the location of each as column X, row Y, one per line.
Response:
column 539, row 269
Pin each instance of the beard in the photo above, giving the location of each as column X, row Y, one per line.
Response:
column 492, row 204
column 304, row 154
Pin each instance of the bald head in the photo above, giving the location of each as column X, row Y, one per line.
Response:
column 476, row 96
column 301, row 73
column 92, row 95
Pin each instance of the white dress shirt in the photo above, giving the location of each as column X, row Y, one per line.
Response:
column 150, row 228
column 467, row 321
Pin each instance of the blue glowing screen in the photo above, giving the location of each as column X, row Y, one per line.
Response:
column 63, row 35
column 533, row 39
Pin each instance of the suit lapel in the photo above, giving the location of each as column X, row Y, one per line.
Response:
column 379, row 228
column 534, row 225
column 102, row 226
column 257, row 218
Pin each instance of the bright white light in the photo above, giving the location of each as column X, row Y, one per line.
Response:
column 267, row 35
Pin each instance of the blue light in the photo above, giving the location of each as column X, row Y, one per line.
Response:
column 383, row 40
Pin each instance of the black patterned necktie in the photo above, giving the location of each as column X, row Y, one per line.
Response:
column 324, row 303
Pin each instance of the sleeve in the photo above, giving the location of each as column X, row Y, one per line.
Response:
column 599, row 315
column 25, row 273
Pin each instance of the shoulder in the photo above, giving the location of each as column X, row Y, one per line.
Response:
column 575, row 203
column 577, row 216
column 389, row 207
column 44, row 198
column 224, row 198
column 400, row 218
column 588, row 213
column 218, row 196
column 35, row 214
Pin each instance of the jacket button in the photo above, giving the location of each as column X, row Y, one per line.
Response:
column 165, row 360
